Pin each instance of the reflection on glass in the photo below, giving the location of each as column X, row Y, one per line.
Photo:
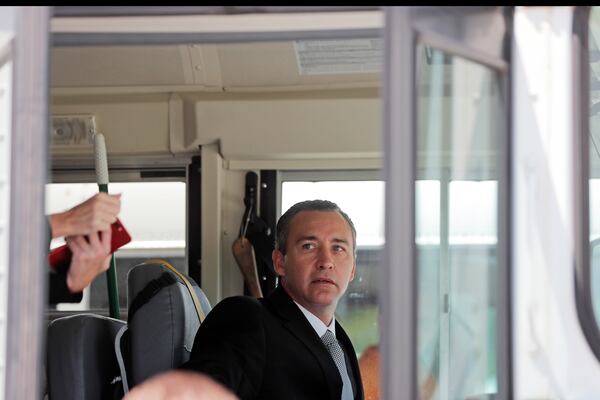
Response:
column 594, row 156
column 456, row 226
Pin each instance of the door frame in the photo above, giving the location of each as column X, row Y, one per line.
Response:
column 479, row 34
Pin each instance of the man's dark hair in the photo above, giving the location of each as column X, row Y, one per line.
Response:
column 283, row 225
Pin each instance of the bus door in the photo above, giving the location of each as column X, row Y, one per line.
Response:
column 445, row 329
column 23, row 166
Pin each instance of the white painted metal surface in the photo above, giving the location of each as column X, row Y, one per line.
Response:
column 7, row 15
column 223, row 23
column 552, row 359
column 5, row 120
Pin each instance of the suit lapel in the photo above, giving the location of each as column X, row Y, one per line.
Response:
column 341, row 336
column 296, row 323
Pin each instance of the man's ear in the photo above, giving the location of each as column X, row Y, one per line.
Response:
column 353, row 271
column 278, row 262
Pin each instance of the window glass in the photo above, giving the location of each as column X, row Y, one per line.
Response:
column 456, row 203
column 154, row 215
column 363, row 201
column 594, row 157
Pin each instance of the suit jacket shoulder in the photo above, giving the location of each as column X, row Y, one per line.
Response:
column 266, row 349
column 229, row 341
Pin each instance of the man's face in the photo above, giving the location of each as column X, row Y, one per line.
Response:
column 319, row 262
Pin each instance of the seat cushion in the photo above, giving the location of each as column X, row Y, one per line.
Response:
column 81, row 362
column 162, row 321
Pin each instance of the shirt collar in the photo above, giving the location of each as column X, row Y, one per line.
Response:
column 316, row 323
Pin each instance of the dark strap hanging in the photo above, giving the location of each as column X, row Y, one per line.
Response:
column 255, row 231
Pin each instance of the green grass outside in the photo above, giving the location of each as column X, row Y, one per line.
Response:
column 362, row 327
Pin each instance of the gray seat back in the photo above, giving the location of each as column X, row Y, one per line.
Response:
column 163, row 319
column 81, row 362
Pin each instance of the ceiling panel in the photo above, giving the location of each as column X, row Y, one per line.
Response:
column 256, row 66
column 117, row 66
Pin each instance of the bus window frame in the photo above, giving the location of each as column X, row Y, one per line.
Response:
column 581, row 179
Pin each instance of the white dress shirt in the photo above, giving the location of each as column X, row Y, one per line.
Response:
column 316, row 323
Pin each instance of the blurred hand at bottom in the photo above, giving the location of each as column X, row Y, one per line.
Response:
column 180, row 385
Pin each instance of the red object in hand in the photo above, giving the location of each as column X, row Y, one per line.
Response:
column 62, row 255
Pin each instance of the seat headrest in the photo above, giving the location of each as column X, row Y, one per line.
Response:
column 162, row 319
column 81, row 362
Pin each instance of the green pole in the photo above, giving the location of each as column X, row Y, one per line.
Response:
column 101, row 163
column 111, row 277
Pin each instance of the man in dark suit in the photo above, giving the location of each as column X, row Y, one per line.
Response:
column 288, row 345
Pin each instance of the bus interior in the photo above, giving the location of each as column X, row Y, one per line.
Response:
column 462, row 142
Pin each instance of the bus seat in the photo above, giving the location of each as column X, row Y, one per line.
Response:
column 81, row 362
column 165, row 311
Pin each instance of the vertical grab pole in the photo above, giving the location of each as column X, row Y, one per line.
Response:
column 102, row 180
